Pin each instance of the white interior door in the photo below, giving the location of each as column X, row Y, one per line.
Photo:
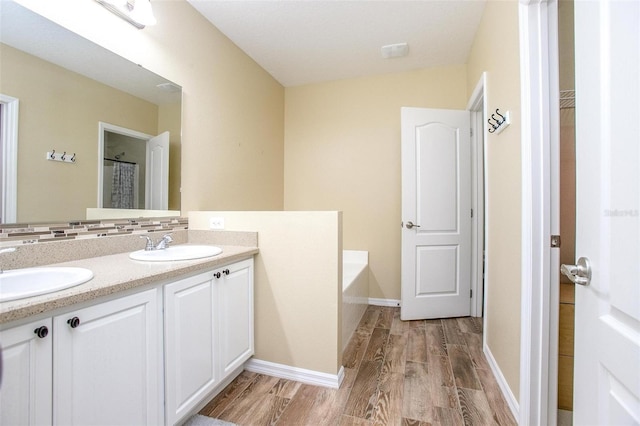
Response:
column 607, row 312
column 157, row 179
column 436, row 213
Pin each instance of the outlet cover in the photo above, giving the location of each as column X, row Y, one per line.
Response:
column 216, row 223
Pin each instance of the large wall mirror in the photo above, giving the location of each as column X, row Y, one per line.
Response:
column 67, row 89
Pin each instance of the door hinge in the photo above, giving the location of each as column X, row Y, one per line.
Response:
column 556, row 241
column 471, row 294
column 471, row 131
column 471, row 212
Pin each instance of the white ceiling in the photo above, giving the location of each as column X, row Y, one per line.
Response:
column 308, row 41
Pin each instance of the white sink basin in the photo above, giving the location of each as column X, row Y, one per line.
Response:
column 21, row 283
column 179, row 252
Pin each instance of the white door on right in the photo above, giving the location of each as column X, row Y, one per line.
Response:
column 607, row 312
column 436, row 213
column 157, row 178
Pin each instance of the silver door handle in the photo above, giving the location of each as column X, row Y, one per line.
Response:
column 410, row 225
column 580, row 273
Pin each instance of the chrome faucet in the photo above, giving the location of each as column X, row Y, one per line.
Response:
column 6, row 250
column 162, row 244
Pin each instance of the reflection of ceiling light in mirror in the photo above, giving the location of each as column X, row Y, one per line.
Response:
column 137, row 12
column 169, row 87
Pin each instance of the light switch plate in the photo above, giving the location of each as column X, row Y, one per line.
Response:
column 216, row 223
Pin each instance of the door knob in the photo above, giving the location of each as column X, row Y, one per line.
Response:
column 580, row 273
column 410, row 225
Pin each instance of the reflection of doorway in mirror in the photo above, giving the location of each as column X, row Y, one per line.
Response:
column 133, row 169
column 123, row 156
column 8, row 158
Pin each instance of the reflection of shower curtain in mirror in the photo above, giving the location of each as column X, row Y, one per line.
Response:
column 124, row 186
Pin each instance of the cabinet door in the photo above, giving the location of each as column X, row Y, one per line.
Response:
column 190, row 358
column 235, row 315
column 107, row 365
column 25, row 389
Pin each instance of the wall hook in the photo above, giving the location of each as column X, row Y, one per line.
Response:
column 498, row 124
column 64, row 158
column 493, row 126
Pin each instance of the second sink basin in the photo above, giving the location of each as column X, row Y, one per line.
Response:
column 179, row 252
column 22, row 283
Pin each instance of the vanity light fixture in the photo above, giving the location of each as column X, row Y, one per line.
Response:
column 136, row 12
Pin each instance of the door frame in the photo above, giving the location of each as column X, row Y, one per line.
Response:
column 10, row 117
column 477, row 107
column 106, row 127
column 539, row 89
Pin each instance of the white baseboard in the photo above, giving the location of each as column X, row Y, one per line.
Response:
column 384, row 302
column 513, row 403
column 282, row 371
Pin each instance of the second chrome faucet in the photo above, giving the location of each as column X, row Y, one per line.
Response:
column 162, row 244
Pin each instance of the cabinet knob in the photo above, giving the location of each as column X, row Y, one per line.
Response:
column 226, row 272
column 73, row 322
column 41, row 331
column 217, row 275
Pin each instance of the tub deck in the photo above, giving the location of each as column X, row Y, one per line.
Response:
column 355, row 291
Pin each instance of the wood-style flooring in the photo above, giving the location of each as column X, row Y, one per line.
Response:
column 397, row 372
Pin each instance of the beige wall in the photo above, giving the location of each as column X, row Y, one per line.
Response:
column 233, row 110
column 298, row 285
column 49, row 190
column 566, row 45
column 496, row 51
column 342, row 152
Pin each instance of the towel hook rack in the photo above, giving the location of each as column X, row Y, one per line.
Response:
column 498, row 124
column 63, row 158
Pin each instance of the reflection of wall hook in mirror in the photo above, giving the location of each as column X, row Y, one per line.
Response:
column 498, row 124
column 64, row 158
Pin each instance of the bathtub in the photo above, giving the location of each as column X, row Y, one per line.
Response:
column 355, row 291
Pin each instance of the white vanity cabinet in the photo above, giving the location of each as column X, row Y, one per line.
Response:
column 96, row 365
column 25, row 390
column 189, row 341
column 235, row 316
column 107, row 363
column 149, row 357
column 208, row 321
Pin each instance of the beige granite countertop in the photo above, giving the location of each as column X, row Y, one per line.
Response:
column 115, row 273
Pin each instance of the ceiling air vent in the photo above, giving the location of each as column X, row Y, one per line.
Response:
column 394, row 50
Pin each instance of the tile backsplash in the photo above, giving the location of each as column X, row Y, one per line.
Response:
column 15, row 234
